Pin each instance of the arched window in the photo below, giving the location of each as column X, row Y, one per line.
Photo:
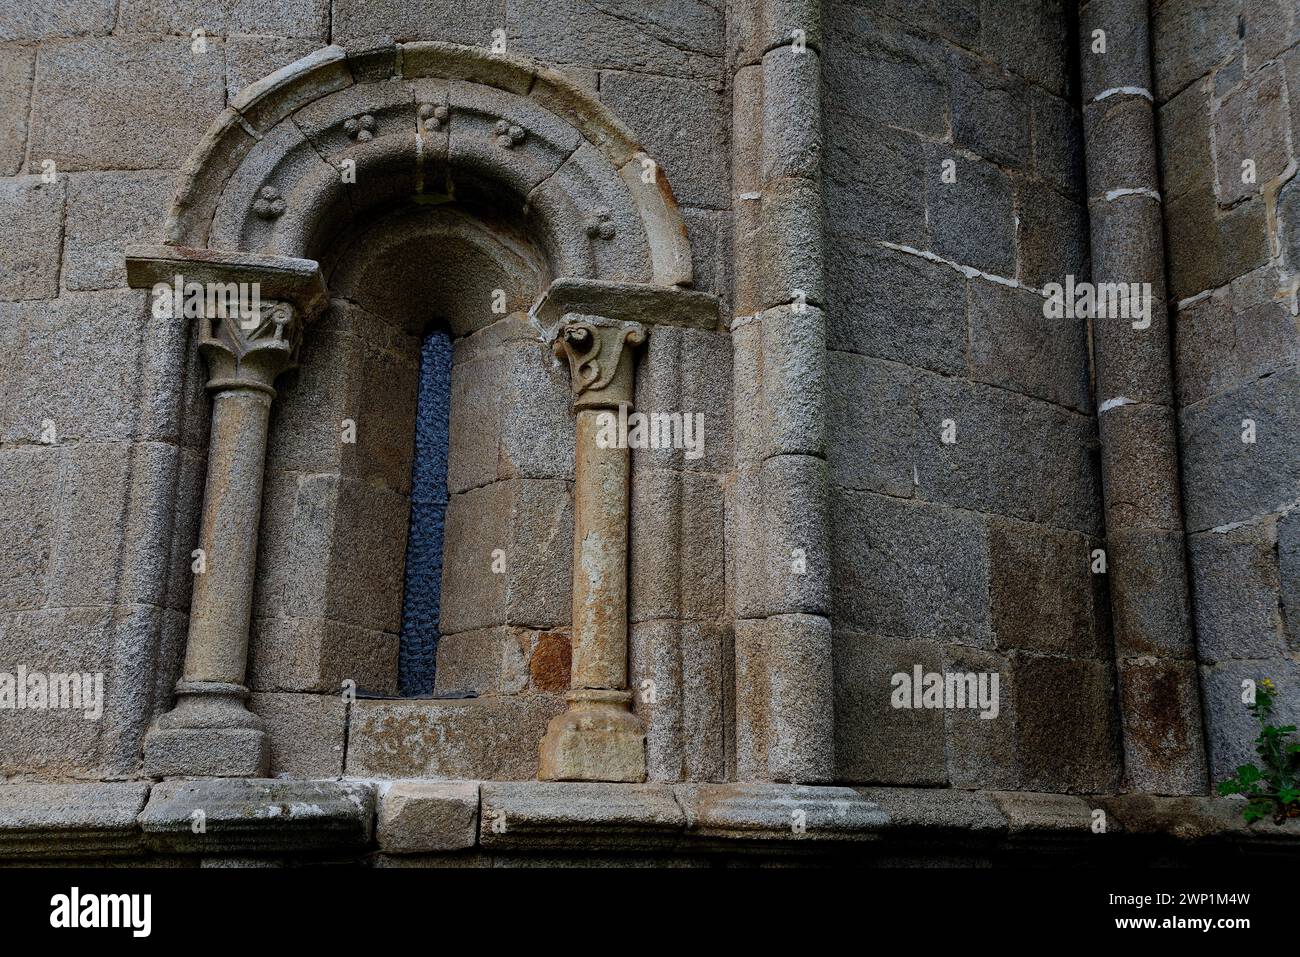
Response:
column 418, row 649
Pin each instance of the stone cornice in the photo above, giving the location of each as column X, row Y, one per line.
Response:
column 643, row 303
column 281, row 278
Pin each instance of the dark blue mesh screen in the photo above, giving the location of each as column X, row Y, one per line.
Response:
column 419, row 642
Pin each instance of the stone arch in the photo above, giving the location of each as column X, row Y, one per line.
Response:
column 430, row 120
column 321, row 183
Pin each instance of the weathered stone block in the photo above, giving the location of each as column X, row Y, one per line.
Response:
column 1235, row 336
column 990, row 110
column 442, row 20
column 545, row 813
column 1161, row 706
column 687, row 371
column 90, row 90
column 1051, row 236
column 875, row 742
column 1227, row 479
column 909, row 569
column 1186, row 162
column 313, row 654
column 798, row 568
column 16, row 71
column 1013, row 344
column 490, row 661
column 794, row 379
column 1057, row 136
column 105, row 213
column 418, row 817
column 684, row 41
column 1029, row 38
column 1189, row 37
column 682, row 705
column 764, row 811
column 1250, row 128
column 97, row 370
column 1126, row 245
column 115, row 520
column 799, row 655
column 891, row 305
column 1067, row 741
column 971, row 219
column 871, row 425
column 981, row 744
column 676, row 547
column 20, row 22
column 70, row 820
column 31, row 235
column 790, row 250
column 1209, row 248
column 1043, row 596
column 29, row 495
column 289, row 18
column 874, row 182
column 258, row 815
column 305, row 733
column 1235, row 579
column 792, row 133
column 681, row 124
column 477, row 738
column 1012, row 455
column 250, row 58
column 1230, row 728
column 886, row 74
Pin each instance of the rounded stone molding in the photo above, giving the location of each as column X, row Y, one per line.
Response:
column 334, row 137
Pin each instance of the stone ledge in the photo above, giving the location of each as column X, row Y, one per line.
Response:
column 780, row 812
column 258, row 815
column 558, row 814
column 51, row 821
column 420, row 817
column 672, row 816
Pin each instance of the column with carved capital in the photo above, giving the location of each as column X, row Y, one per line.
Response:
column 210, row 731
column 598, row 738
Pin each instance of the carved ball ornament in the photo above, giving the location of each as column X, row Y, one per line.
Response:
column 269, row 203
column 509, row 135
column 361, row 128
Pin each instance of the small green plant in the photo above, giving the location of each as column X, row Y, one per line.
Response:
column 1275, row 789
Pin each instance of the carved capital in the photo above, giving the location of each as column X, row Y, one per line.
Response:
column 250, row 354
column 599, row 351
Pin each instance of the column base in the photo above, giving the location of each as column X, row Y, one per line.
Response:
column 210, row 733
column 597, row 739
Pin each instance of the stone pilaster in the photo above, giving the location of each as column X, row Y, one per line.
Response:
column 1155, row 653
column 210, row 731
column 598, row 738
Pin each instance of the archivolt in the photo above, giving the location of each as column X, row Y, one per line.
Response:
column 299, row 156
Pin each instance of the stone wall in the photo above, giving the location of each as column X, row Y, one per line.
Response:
column 876, row 191
column 953, row 194
column 94, row 542
column 1227, row 87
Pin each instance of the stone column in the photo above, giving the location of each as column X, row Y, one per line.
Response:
column 598, row 738
column 1155, row 651
column 210, row 731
